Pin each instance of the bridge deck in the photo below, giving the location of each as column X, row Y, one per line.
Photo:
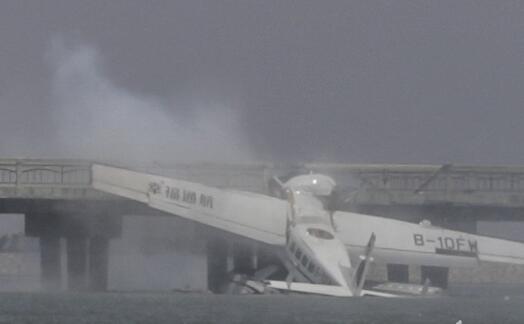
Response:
column 47, row 179
column 370, row 184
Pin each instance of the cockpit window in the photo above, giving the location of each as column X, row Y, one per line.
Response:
column 305, row 261
column 311, row 267
column 292, row 246
column 320, row 233
column 298, row 254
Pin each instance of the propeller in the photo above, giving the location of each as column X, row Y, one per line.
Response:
column 366, row 259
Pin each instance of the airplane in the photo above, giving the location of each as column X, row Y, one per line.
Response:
column 325, row 252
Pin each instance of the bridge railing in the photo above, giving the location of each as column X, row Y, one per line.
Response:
column 453, row 182
column 399, row 183
column 432, row 178
column 401, row 178
column 45, row 173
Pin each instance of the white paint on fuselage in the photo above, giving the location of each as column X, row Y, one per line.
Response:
column 313, row 246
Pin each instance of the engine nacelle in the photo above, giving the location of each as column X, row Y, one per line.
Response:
column 316, row 184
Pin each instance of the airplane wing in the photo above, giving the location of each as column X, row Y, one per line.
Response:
column 423, row 244
column 258, row 217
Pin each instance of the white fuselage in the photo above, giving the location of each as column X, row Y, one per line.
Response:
column 313, row 246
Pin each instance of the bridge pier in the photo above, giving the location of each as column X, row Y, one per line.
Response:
column 87, row 263
column 50, row 263
column 98, row 263
column 217, row 263
column 77, row 263
column 47, row 228
column 244, row 258
column 438, row 276
column 87, row 247
column 398, row 272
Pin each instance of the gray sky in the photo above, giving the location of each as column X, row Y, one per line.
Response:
column 346, row 81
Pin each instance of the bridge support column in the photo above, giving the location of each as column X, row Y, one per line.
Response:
column 217, row 256
column 244, row 259
column 98, row 263
column 77, row 263
column 50, row 262
column 47, row 226
column 398, row 272
column 438, row 276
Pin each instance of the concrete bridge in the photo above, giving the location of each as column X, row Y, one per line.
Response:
column 58, row 201
column 415, row 185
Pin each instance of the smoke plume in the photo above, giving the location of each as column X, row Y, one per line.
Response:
column 97, row 119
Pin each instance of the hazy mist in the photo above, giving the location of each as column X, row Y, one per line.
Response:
column 95, row 118
column 354, row 81
column 162, row 81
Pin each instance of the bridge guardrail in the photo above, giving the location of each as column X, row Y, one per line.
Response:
column 410, row 184
column 452, row 182
column 45, row 173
